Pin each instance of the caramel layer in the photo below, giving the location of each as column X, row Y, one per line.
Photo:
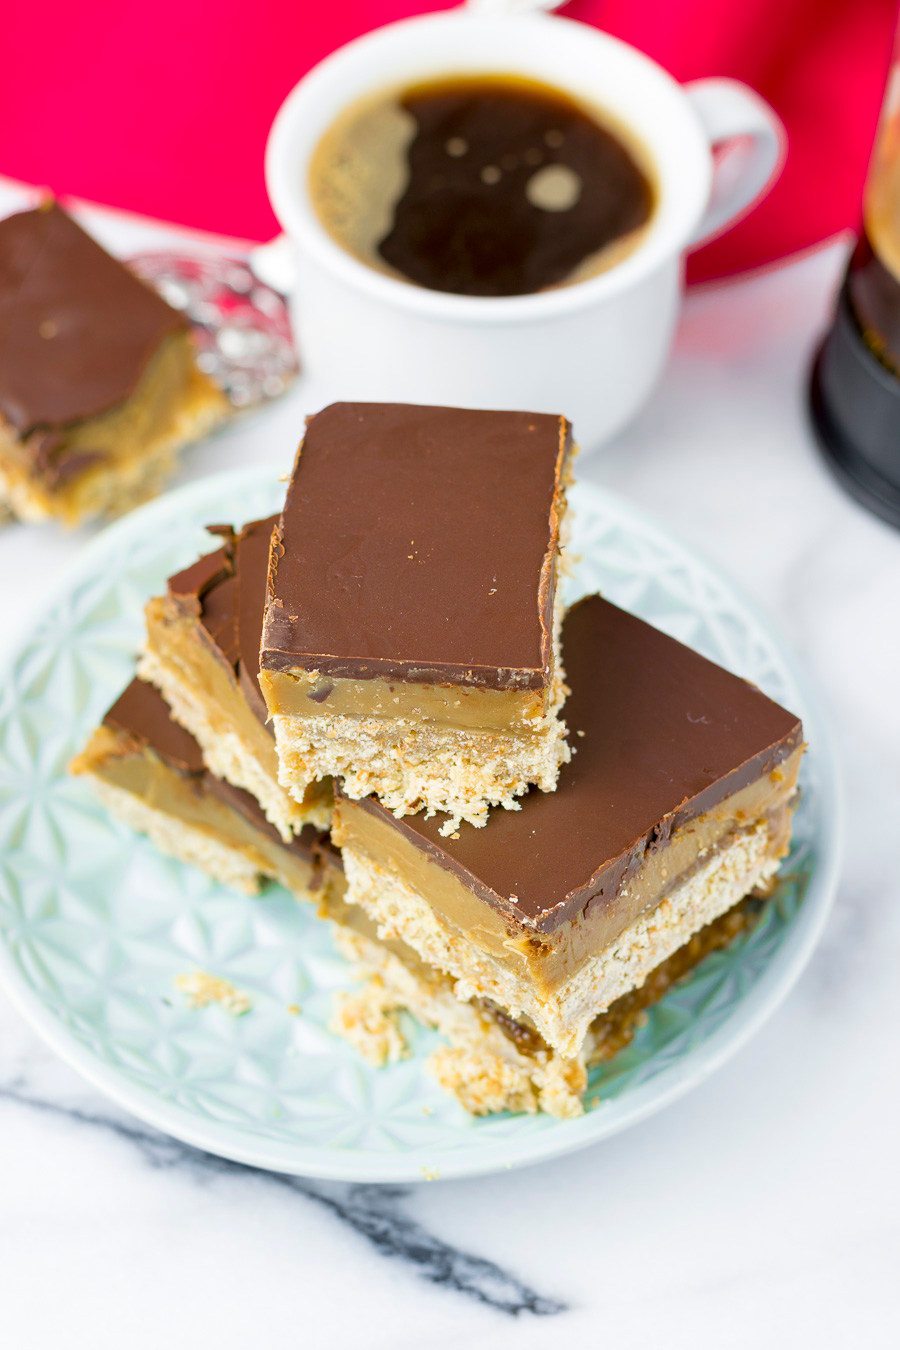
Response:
column 303, row 693
column 546, row 960
column 184, row 640
column 176, row 636
column 114, row 758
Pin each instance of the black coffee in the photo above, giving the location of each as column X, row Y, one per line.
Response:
column 481, row 185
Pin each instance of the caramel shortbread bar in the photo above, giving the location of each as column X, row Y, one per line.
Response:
column 202, row 652
column 409, row 644
column 676, row 804
column 149, row 772
column 99, row 385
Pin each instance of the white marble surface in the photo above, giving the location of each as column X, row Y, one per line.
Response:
column 760, row 1211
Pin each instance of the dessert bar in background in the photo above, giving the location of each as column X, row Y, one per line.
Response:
column 202, row 651
column 99, row 384
column 676, row 804
column 410, row 636
column 149, row 772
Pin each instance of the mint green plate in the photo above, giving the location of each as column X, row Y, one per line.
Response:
column 95, row 925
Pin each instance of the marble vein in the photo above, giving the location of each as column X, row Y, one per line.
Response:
column 372, row 1212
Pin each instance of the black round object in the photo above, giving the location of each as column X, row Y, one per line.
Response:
column 855, row 405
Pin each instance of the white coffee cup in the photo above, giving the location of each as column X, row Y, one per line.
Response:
column 593, row 350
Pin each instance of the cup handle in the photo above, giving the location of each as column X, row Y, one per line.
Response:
column 273, row 263
column 732, row 112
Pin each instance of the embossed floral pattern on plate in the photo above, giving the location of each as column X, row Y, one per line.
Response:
column 95, row 925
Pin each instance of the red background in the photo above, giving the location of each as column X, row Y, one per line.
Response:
column 164, row 107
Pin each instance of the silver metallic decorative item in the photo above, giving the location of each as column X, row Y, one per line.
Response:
column 241, row 326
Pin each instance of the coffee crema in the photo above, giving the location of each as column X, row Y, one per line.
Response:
column 486, row 185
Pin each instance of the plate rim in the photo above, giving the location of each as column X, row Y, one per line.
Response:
column 488, row 1156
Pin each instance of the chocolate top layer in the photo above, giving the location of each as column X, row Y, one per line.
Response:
column 203, row 574
column 660, row 735
column 419, row 544
column 229, row 586
column 252, row 563
column 77, row 328
column 142, row 714
column 220, row 617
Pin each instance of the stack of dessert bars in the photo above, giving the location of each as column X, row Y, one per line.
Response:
column 523, row 823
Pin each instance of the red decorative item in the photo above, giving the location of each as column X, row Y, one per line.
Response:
column 165, row 111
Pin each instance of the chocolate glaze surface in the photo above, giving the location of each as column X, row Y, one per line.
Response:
column 252, row 564
column 206, row 572
column 55, row 461
column 220, row 616
column 419, row 544
column 142, row 714
column 229, row 585
column 77, row 328
column 660, row 735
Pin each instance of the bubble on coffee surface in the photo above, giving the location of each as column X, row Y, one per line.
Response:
column 554, row 188
column 481, row 185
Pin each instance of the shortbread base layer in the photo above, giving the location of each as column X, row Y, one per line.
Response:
column 481, row 1066
column 207, row 700
column 485, row 1067
column 174, row 404
column 420, row 768
column 412, row 764
column 221, row 860
column 562, row 1016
